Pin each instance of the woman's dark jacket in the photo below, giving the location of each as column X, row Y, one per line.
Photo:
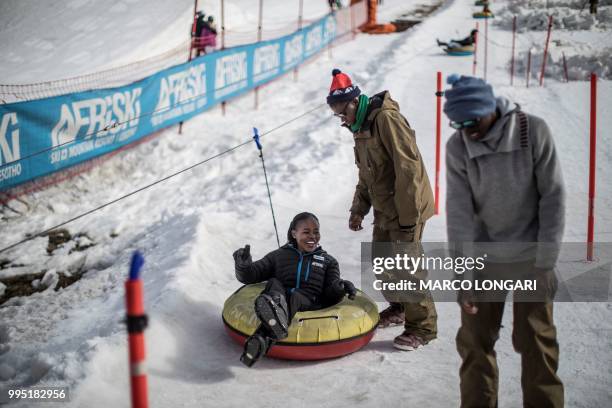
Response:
column 314, row 274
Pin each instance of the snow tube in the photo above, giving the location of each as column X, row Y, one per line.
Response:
column 483, row 14
column 314, row 335
column 460, row 51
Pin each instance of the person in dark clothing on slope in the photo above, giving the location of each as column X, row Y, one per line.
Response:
column 300, row 276
column 467, row 41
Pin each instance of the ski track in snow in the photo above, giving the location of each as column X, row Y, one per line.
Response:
column 188, row 227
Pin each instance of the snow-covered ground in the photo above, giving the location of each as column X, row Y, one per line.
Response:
column 189, row 226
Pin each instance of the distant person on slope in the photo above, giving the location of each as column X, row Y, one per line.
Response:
column 208, row 36
column 301, row 276
column 504, row 185
column 394, row 183
column 467, row 41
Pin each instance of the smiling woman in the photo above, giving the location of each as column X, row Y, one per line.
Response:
column 300, row 277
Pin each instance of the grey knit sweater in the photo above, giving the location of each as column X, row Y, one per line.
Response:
column 500, row 191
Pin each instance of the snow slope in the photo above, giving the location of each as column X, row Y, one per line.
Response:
column 188, row 227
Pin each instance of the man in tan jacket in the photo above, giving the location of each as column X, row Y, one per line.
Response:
column 393, row 181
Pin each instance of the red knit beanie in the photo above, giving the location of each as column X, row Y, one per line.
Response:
column 342, row 89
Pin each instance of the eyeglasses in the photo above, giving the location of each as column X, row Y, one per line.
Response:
column 465, row 124
column 343, row 113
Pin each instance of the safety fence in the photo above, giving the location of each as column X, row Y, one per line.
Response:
column 40, row 137
column 347, row 19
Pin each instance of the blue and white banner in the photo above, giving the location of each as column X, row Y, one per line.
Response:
column 43, row 136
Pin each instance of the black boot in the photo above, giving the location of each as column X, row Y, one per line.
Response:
column 255, row 347
column 273, row 312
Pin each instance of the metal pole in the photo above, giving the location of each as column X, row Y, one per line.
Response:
column 528, row 68
column 438, row 133
column 565, row 67
column 223, row 43
column 475, row 51
column 300, row 22
column 513, row 46
column 486, row 46
column 592, row 158
column 259, row 37
column 263, row 164
column 194, row 35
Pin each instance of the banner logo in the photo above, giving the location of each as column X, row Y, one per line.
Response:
column 98, row 116
column 230, row 74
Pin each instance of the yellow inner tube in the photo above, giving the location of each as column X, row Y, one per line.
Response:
column 344, row 320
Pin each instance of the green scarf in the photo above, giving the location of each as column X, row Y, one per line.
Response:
column 362, row 108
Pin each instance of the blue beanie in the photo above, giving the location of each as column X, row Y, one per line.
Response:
column 469, row 98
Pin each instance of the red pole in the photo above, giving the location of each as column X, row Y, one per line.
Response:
column 136, row 323
column 550, row 20
column 528, row 67
column 513, row 45
column 486, row 42
column 591, row 217
column 565, row 67
column 475, row 51
column 438, row 132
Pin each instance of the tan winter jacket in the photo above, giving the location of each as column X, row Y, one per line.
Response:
column 392, row 176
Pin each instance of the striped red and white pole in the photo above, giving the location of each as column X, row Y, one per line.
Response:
column 136, row 324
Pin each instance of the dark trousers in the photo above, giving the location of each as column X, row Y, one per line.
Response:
column 296, row 301
column 534, row 336
column 420, row 314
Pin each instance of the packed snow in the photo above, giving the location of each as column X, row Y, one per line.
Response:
column 188, row 226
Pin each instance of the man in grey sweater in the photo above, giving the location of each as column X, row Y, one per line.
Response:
column 504, row 185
